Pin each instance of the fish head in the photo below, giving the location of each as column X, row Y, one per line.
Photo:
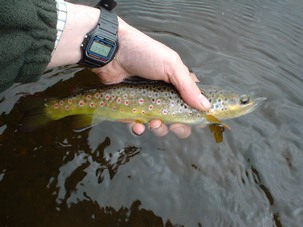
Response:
column 227, row 105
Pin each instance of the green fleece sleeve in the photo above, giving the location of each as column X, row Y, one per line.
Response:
column 27, row 38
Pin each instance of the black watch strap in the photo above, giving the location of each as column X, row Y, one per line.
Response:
column 108, row 23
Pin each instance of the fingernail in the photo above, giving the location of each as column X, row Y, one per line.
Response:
column 155, row 126
column 204, row 101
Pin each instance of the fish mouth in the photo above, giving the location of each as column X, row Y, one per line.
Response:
column 257, row 103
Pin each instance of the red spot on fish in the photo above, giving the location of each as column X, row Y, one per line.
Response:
column 114, row 108
column 134, row 111
column 81, row 103
column 97, row 95
column 143, row 112
column 150, row 107
column 67, row 108
column 88, row 97
column 107, row 96
column 158, row 101
column 119, row 100
column 70, row 101
column 56, row 106
column 113, row 96
column 153, row 100
column 141, row 101
column 125, row 96
column 92, row 104
column 126, row 102
column 102, row 103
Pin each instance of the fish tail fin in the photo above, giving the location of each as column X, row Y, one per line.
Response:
column 34, row 116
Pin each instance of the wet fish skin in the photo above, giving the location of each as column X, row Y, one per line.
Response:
column 145, row 101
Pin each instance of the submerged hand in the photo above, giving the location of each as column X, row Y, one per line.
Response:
column 160, row 129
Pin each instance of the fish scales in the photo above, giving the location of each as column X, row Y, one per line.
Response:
column 145, row 101
column 140, row 102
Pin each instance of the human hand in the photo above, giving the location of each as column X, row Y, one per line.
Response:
column 139, row 54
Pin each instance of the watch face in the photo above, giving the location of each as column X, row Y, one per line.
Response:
column 101, row 49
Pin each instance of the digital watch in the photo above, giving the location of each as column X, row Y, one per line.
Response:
column 100, row 45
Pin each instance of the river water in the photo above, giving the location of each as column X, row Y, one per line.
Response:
column 106, row 176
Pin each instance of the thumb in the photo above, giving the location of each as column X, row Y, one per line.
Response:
column 189, row 91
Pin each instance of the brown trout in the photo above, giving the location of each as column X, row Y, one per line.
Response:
column 143, row 101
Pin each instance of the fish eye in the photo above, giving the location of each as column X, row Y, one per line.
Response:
column 244, row 99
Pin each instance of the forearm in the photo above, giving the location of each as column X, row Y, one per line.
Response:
column 80, row 20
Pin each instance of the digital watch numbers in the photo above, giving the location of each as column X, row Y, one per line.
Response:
column 100, row 49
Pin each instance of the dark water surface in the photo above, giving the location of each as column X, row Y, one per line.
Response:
column 106, row 176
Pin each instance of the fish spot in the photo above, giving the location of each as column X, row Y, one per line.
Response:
column 107, row 96
column 126, row 102
column 119, row 100
column 134, row 110
column 102, row 103
column 141, row 101
column 88, row 97
column 158, row 101
column 125, row 96
column 114, row 108
column 97, row 95
column 61, row 102
column 150, row 107
column 143, row 112
column 67, row 108
column 70, row 101
column 92, row 104
column 132, row 93
column 81, row 103
column 56, row 106
column 164, row 112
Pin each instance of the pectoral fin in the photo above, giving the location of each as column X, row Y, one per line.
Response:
column 213, row 120
column 217, row 131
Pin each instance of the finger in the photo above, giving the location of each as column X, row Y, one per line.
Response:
column 191, row 94
column 158, row 128
column 181, row 130
column 137, row 128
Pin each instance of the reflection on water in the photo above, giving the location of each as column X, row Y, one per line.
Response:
column 107, row 176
